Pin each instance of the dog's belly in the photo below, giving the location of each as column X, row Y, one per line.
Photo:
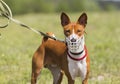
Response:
column 77, row 68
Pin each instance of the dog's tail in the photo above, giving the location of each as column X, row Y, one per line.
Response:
column 50, row 36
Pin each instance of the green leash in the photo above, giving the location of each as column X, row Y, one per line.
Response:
column 6, row 12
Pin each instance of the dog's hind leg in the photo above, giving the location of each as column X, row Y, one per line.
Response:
column 35, row 73
column 37, row 64
column 56, row 73
column 34, row 76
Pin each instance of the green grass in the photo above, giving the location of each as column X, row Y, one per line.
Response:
column 18, row 44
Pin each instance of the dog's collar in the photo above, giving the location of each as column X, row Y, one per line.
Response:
column 77, row 53
column 81, row 58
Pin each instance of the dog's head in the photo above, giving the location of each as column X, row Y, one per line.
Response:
column 74, row 32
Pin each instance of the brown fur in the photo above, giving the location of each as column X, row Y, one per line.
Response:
column 49, row 53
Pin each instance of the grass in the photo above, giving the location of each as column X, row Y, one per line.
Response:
column 18, row 44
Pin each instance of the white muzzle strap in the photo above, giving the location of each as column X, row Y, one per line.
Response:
column 76, row 46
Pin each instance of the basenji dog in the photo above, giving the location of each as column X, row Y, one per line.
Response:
column 77, row 55
column 69, row 57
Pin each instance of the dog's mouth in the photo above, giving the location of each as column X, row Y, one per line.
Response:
column 75, row 46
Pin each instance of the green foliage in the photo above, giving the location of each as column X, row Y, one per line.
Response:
column 17, row 46
column 26, row 6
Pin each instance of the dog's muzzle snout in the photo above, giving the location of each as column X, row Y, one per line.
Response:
column 73, row 40
column 73, row 44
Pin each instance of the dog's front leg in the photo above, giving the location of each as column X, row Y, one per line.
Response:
column 85, row 81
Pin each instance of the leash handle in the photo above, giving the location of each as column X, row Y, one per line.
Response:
column 7, row 13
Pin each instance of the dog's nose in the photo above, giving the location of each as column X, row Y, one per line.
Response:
column 73, row 40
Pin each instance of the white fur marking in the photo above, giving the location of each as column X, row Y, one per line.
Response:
column 77, row 68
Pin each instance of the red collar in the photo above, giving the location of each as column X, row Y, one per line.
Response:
column 81, row 58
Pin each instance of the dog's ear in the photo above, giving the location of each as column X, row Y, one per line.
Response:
column 82, row 19
column 64, row 19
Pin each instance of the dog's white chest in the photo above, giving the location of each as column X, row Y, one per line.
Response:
column 77, row 68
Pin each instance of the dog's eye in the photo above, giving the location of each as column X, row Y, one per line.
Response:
column 78, row 31
column 67, row 31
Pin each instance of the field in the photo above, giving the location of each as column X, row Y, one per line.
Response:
column 18, row 44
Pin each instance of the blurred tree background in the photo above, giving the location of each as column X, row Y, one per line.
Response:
column 48, row 6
